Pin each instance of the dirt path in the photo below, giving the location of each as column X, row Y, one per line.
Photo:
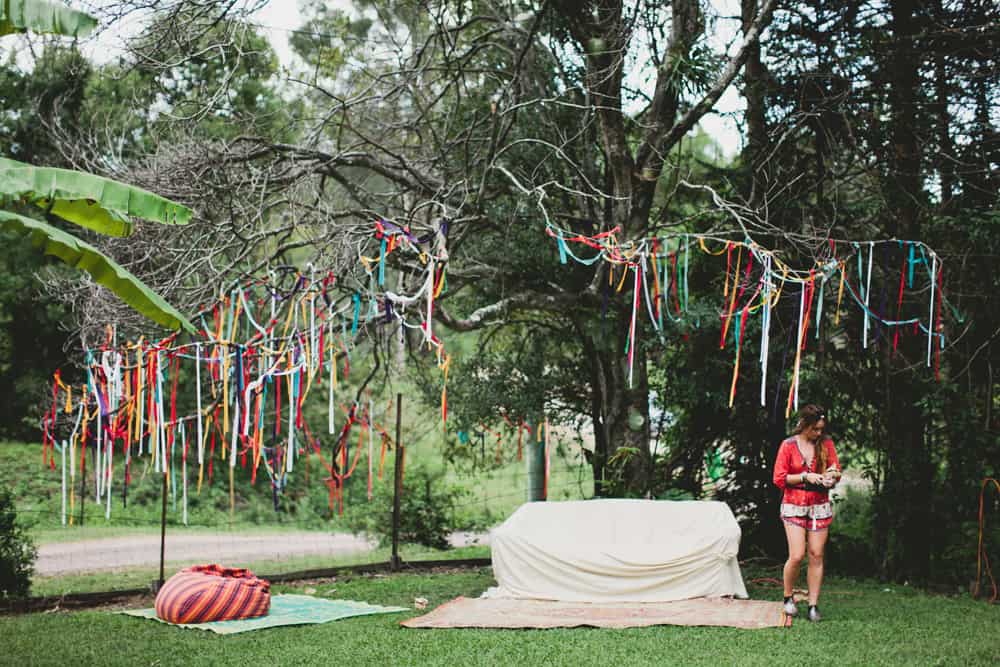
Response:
column 112, row 553
column 138, row 550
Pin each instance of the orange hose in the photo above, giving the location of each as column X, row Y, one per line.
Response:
column 982, row 561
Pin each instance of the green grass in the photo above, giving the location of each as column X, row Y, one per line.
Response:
column 865, row 624
column 496, row 489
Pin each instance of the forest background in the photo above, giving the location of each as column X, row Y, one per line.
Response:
column 861, row 121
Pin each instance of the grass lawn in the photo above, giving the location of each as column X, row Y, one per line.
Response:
column 866, row 623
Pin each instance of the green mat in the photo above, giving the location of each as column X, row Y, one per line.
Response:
column 285, row 610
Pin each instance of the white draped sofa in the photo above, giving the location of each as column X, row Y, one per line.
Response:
column 618, row 551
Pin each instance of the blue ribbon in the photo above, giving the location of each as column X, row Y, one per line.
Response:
column 381, row 263
column 357, row 312
column 913, row 261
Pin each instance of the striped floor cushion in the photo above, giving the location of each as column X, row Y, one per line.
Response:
column 204, row 593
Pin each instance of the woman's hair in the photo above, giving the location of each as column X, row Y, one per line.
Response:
column 808, row 416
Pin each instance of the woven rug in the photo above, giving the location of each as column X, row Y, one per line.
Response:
column 285, row 610
column 465, row 612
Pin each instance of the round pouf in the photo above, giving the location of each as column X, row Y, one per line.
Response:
column 205, row 593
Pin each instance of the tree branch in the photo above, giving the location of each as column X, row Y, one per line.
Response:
column 491, row 314
column 694, row 114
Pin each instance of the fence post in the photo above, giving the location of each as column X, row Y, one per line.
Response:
column 163, row 533
column 397, row 487
column 83, row 482
column 536, row 464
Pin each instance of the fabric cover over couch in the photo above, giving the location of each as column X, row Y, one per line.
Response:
column 618, row 551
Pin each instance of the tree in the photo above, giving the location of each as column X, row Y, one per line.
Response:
column 33, row 331
column 101, row 205
column 17, row 550
column 474, row 123
column 160, row 120
column 864, row 122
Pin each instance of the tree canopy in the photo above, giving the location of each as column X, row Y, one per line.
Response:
column 503, row 128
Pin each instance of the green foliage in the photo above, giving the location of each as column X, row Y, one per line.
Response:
column 851, row 548
column 38, row 492
column 54, row 90
column 90, row 201
column 328, row 38
column 33, row 324
column 97, row 203
column 104, row 270
column 17, row 550
column 31, row 339
column 676, row 494
column 427, row 509
column 913, row 628
column 43, row 16
column 617, row 472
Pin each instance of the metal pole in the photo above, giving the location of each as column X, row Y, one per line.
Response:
column 397, row 490
column 83, row 484
column 163, row 532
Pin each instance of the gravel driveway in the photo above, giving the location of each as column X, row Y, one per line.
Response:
column 113, row 553
column 130, row 551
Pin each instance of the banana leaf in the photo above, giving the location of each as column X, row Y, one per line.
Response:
column 43, row 16
column 103, row 269
column 90, row 201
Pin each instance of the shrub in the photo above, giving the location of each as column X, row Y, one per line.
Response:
column 851, row 548
column 17, row 551
column 427, row 510
column 676, row 494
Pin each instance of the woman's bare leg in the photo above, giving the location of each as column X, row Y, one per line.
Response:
column 817, row 545
column 796, row 553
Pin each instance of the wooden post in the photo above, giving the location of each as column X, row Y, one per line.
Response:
column 163, row 533
column 83, row 484
column 535, row 461
column 397, row 490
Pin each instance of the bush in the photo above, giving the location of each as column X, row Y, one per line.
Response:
column 851, row 548
column 17, row 551
column 427, row 510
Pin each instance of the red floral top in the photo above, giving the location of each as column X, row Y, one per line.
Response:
column 803, row 500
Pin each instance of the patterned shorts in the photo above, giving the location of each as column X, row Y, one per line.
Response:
column 808, row 523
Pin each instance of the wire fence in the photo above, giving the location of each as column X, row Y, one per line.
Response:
column 159, row 522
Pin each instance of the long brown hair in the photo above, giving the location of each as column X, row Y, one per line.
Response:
column 808, row 416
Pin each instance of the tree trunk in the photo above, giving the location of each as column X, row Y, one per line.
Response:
column 908, row 477
column 754, row 91
column 946, row 148
column 634, row 154
column 624, row 431
column 620, row 416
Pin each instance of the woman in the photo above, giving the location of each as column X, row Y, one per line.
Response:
column 805, row 470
